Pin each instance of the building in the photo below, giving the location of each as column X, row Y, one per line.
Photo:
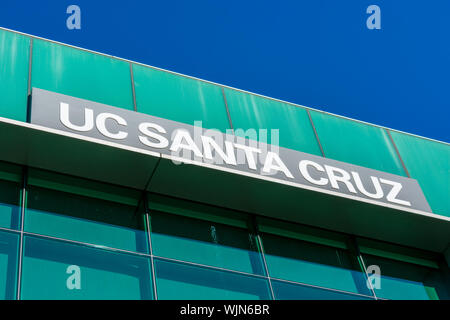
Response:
column 97, row 200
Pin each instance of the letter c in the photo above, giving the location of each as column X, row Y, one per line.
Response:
column 101, row 125
column 303, row 166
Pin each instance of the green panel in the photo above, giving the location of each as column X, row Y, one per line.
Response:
column 313, row 264
column 357, row 143
column 56, row 270
column 8, row 264
column 249, row 112
column 166, row 95
column 178, row 281
column 290, row 291
column 14, row 58
column 428, row 162
column 196, row 210
column 404, row 281
column 204, row 242
column 10, row 209
column 10, row 172
column 302, row 232
column 81, row 74
column 70, row 216
column 84, row 187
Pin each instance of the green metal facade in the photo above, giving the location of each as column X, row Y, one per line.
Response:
column 156, row 247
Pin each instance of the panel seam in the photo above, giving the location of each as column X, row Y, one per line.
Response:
column 227, row 109
column 398, row 153
column 315, row 133
column 30, row 66
column 133, row 90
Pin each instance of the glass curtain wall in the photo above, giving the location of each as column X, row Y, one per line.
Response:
column 62, row 237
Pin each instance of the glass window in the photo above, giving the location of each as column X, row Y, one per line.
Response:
column 312, row 262
column 204, row 242
column 181, row 281
column 8, row 264
column 10, row 209
column 85, row 219
column 291, row 291
column 405, row 281
column 56, row 270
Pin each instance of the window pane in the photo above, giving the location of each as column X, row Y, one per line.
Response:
column 181, row 281
column 204, row 242
column 85, row 219
column 401, row 280
column 9, row 204
column 314, row 264
column 290, row 291
column 56, row 270
column 8, row 264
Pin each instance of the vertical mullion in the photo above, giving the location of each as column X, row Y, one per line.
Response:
column 254, row 228
column 355, row 246
column 22, row 218
column 149, row 239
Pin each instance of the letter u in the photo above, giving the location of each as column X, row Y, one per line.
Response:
column 376, row 183
column 88, row 118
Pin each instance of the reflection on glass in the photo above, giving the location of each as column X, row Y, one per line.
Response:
column 56, row 270
column 314, row 264
column 405, row 281
column 290, row 291
column 181, row 281
column 84, row 219
column 204, row 242
column 9, row 204
column 8, row 264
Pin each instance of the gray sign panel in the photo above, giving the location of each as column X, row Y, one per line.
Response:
column 192, row 143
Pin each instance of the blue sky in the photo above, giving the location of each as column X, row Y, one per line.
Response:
column 315, row 53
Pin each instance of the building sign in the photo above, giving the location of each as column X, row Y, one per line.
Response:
column 238, row 155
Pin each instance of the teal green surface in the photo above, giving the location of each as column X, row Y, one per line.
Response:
column 102, row 274
column 180, row 281
column 14, row 60
column 81, row 74
column 8, row 264
column 429, row 163
column 89, row 220
column 313, row 264
column 166, row 95
column 249, row 112
column 404, row 281
column 357, row 143
column 204, row 242
column 9, row 204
